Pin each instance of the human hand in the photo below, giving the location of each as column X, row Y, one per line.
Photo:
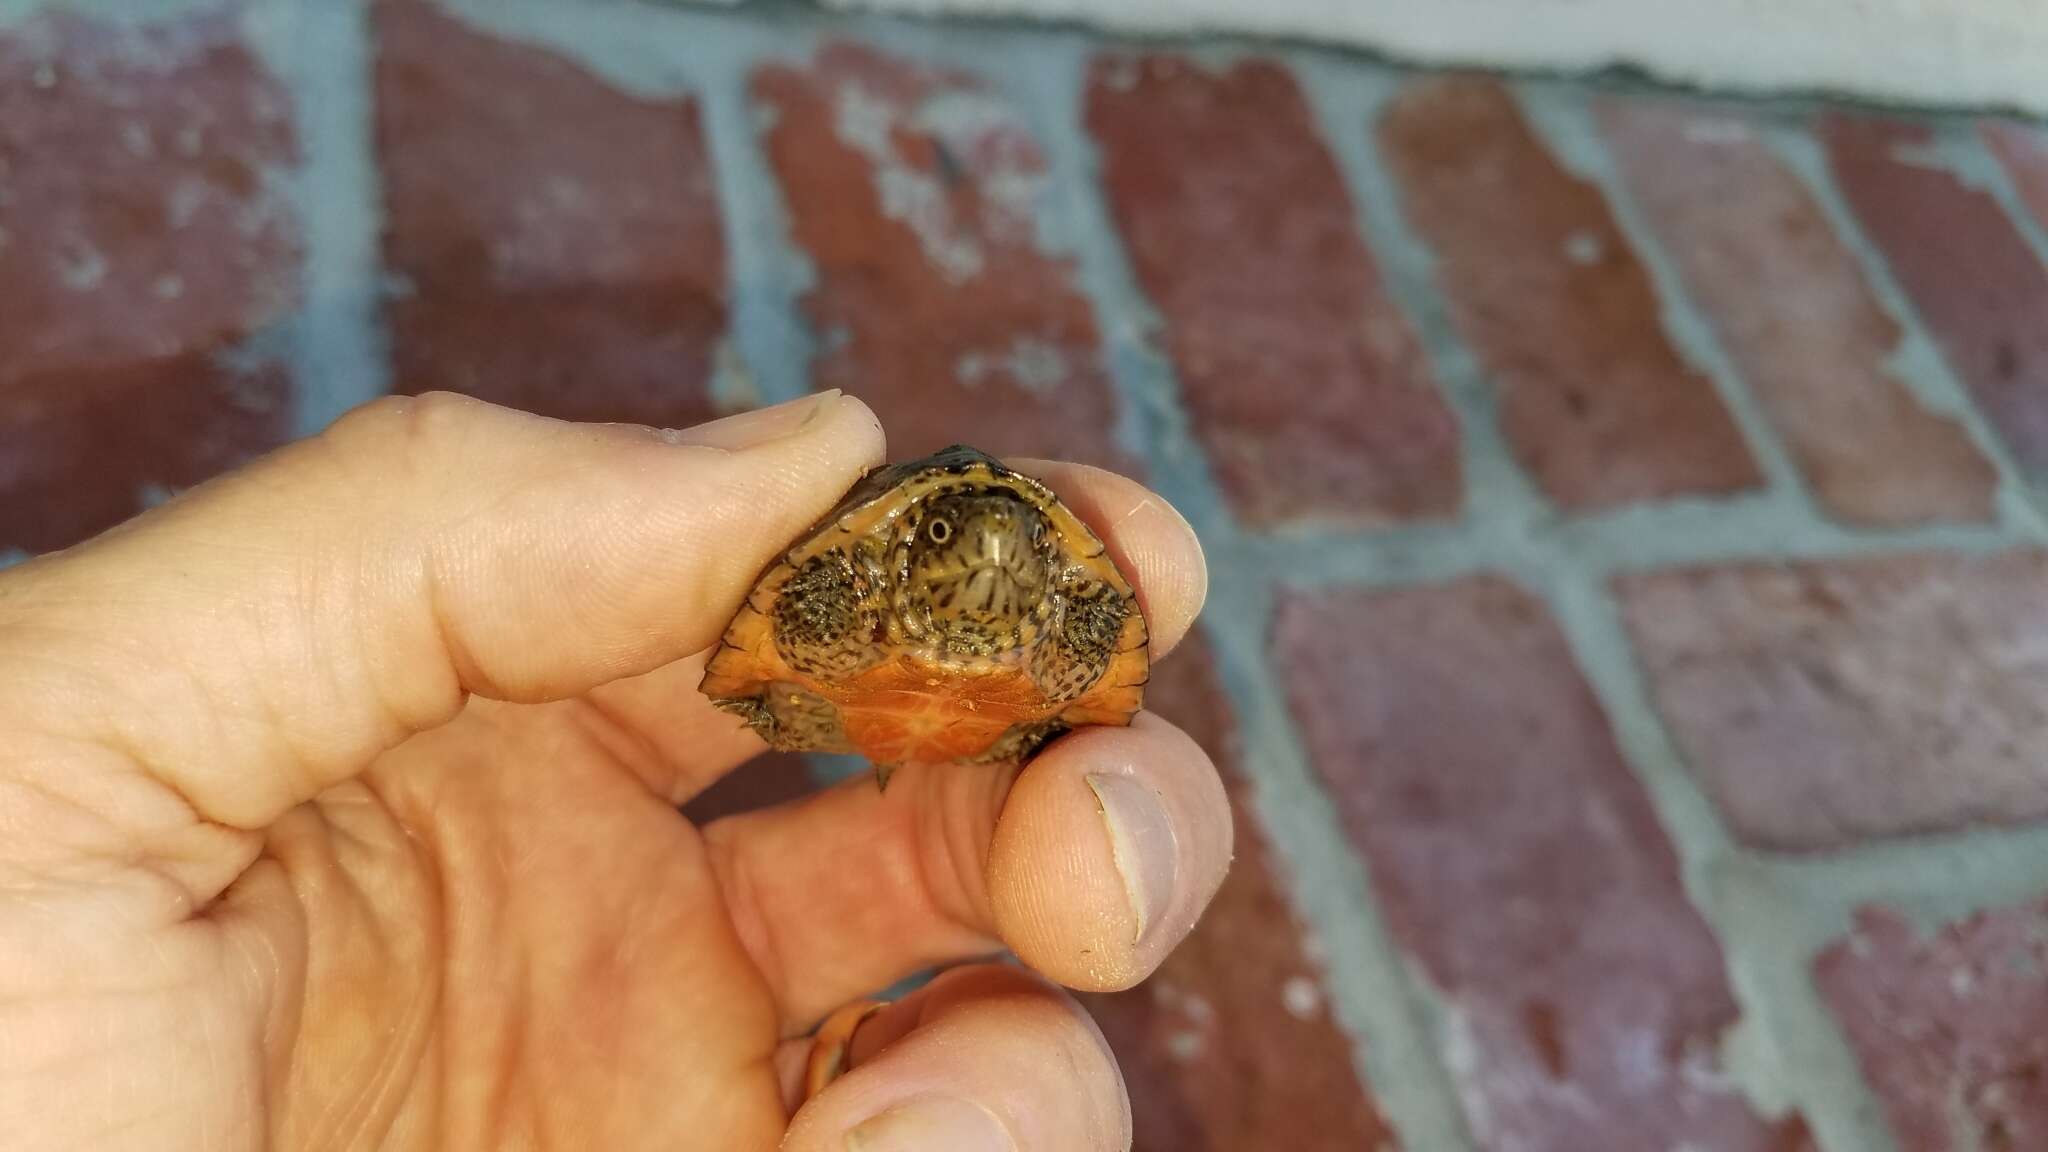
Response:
column 338, row 809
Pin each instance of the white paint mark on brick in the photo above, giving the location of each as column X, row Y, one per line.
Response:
column 1961, row 983
column 866, row 122
column 972, row 133
column 1302, row 998
column 1033, row 365
column 80, row 265
column 187, row 197
column 1185, row 1046
column 1584, row 248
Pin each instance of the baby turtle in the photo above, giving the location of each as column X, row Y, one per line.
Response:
column 949, row 609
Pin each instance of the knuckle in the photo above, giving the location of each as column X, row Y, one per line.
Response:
column 406, row 425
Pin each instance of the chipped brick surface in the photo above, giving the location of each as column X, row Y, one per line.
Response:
column 1230, row 1046
column 1789, row 304
column 1830, row 702
column 1972, row 278
column 1519, row 862
column 1305, row 383
column 556, row 241
column 1594, row 399
column 1951, row 1029
column 143, row 245
column 914, row 193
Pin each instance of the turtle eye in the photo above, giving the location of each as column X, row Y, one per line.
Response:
column 939, row 530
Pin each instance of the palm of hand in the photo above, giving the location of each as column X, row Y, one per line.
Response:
column 539, row 944
column 501, row 936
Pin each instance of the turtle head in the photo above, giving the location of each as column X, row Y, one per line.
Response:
column 979, row 568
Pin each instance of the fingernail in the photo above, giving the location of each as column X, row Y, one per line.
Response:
column 1141, row 839
column 932, row 1124
column 760, row 426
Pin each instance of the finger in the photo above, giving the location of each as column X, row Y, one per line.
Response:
column 1090, row 867
column 1150, row 543
column 983, row 1059
column 265, row 636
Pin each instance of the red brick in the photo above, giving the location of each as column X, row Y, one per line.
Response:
column 914, row 191
column 1594, row 399
column 1963, row 263
column 558, row 239
column 1951, row 1030
column 1830, row 702
column 1230, row 1046
column 2023, row 149
column 1519, row 862
column 1827, row 703
column 1789, row 303
column 140, row 244
column 1305, row 383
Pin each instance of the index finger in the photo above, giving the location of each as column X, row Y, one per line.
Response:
column 176, row 684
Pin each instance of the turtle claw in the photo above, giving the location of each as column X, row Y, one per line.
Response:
column 882, row 774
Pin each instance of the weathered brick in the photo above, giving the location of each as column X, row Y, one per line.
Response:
column 1230, row 1046
column 1830, row 702
column 1789, row 303
column 1963, row 263
column 141, row 244
column 1594, row 399
column 914, row 191
column 1303, row 380
column 557, row 240
column 1951, row 1030
column 2023, row 149
column 1519, row 862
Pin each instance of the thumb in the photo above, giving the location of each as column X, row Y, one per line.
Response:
column 266, row 635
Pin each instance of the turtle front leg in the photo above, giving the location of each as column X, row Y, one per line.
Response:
column 826, row 619
column 1077, row 650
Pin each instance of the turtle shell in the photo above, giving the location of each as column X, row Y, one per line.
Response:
column 948, row 609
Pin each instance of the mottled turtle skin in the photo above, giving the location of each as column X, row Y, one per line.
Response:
column 948, row 610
